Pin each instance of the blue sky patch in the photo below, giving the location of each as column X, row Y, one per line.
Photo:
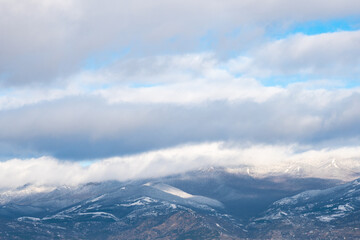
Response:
column 102, row 59
column 315, row 27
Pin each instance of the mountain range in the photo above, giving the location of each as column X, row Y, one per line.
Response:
column 206, row 204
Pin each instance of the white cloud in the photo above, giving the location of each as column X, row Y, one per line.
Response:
column 179, row 79
column 262, row 160
column 328, row 55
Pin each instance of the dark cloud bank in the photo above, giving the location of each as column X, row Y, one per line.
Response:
column 83, row 128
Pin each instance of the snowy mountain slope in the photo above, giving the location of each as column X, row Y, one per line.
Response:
column 177, row 192
column 322, row 205
column 332, row 213
column 114, row 210
column 198, row 205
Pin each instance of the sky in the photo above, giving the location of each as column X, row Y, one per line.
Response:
column 93, row 91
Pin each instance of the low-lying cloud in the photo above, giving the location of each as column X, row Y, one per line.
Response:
column 260, row 159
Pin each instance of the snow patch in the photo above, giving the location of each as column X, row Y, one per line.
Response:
column 333, row 162
column 301, row 196
column 28, row 219
column 57, row 216
column 137, row 203
column 100, row 214
column 72, row 209
column 325, row 218
column 172, row 190
column 330, row 217
column 28, row 190
column 96, row 199
column 345, row 208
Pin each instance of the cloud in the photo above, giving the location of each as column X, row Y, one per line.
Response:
column 43, row 42
column 87, row 81
column 164, row 101
column 261, row 159
column 327, row 55
column 178, row 79
column 90, row 127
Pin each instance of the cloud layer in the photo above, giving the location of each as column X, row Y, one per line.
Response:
column 77, row 128
column 258, row 160
column 43, row 41
column 154, row 88
column 165, row 101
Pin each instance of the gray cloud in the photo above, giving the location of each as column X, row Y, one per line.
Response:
column 83, row 128
column 44, row 41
